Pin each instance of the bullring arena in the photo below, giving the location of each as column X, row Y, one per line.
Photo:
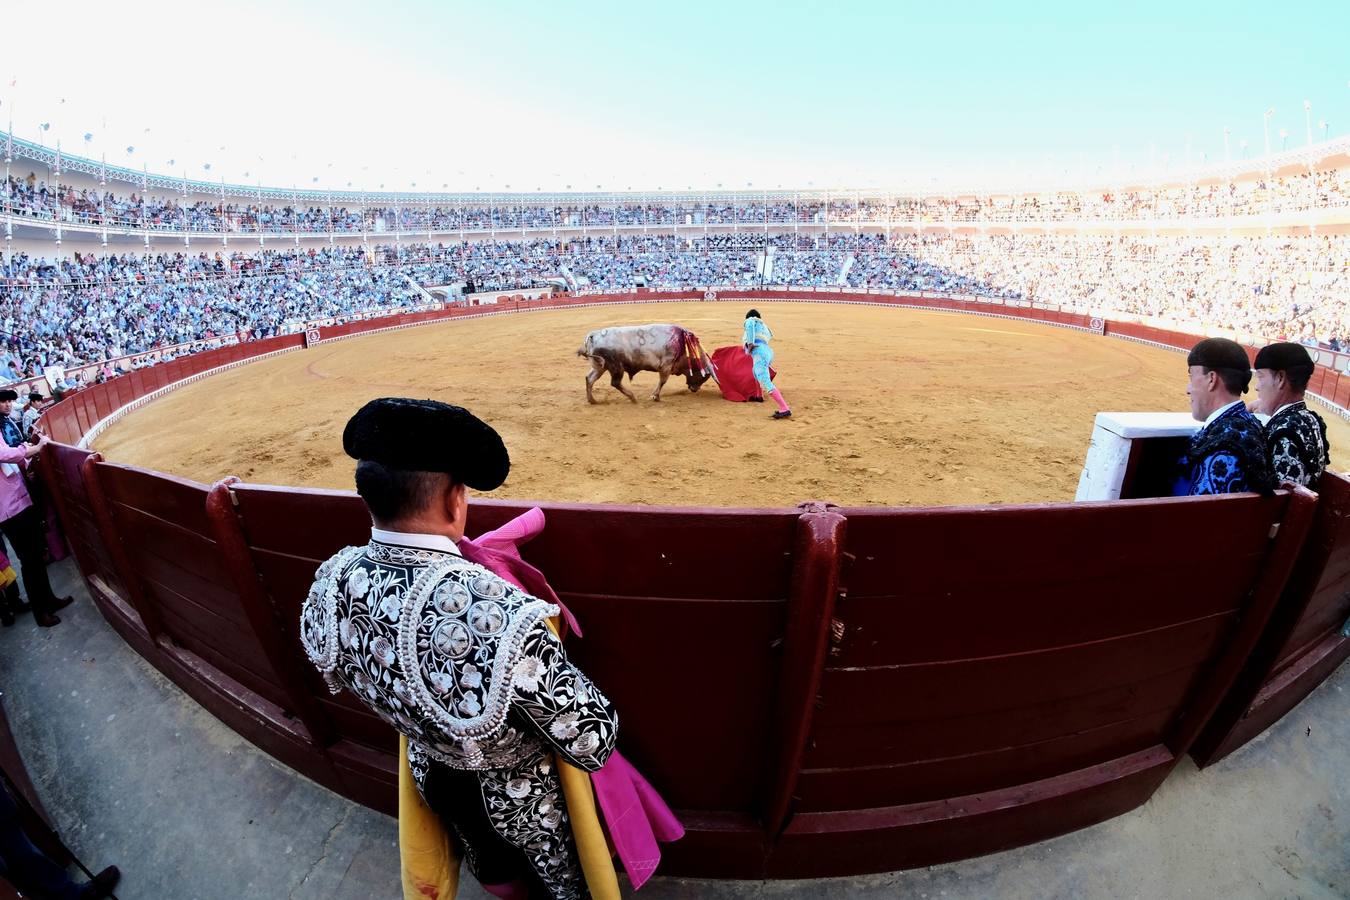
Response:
column 953, row 628
column 892, row 407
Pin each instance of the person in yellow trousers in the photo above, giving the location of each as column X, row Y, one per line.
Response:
column 499, row 729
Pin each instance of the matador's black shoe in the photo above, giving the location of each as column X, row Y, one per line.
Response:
column 755, row 399
column 783, row 414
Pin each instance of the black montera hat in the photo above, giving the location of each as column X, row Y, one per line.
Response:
column 7, row 394
column 1283, row 357
column 1219, row 353
column 428, row 436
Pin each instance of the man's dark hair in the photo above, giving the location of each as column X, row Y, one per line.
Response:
column 8, row 395
column 1299, row 376
column 1235, row 380
column 393, row 494
column 752, row 314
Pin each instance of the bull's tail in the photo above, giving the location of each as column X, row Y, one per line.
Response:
column 605, row 357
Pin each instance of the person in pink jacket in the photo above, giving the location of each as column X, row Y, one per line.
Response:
column 23, row 527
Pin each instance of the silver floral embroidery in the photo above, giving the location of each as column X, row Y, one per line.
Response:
column 526, row 674
column 451, row 639
column 382, row 651
column 470, row 677
column 487, row 618
column 564, row 727
column 451, row 597
column 585, row 745
column 359, row 583
column 488, row 588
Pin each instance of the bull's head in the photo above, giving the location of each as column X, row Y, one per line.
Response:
column 699, row 374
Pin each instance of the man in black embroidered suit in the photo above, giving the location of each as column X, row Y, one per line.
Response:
column 1228, row 455
column 10, row 430
column 456, row 658
column 1295, row 435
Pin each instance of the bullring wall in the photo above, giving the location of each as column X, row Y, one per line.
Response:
column 816, row 691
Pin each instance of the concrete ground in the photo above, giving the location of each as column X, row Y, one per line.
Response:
column 137, row 774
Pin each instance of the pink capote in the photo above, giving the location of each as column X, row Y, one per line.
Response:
column 635, row 815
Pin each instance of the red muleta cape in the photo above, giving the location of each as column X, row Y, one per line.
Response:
column 736, row 374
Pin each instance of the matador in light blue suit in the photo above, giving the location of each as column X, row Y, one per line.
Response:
column 756, row 340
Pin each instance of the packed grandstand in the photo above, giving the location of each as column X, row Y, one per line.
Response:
column 1259, row 252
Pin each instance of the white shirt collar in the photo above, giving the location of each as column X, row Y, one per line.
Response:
column 1220, row 411
column 420, row 541
column 1283, row 408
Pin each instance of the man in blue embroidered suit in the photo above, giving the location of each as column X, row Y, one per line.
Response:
column 457, row 659
column 1295, row 435
column 1227, row 455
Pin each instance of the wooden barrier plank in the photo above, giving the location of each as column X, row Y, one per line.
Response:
column 81, row 410
column 224, row 651
column 103, row 405
column 125, row 391
column 134, row 598
column 176, row 500
column 1286, row 544
column 890, row 838
column 354, row 722
column 906, row 736
column 1015, row 681
column 58, row 423
column 140, row 384
column 923, row 780
column 263, row 619
column 1318, row 379
column 1109, row 538
column 1341, row 397
column 1315, row 603
column 815, row 585
column 929, row 624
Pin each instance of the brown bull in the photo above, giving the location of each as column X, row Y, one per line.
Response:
column 629, row 349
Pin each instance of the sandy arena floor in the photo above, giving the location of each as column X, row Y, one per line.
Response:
column 890, row 406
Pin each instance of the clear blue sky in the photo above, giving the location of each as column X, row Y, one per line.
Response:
column 649, row 95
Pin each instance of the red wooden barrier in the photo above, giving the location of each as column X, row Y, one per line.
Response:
column 1052, row 693
column 1303, row 644
column 979, row 698
column 206, row 634
column 871, row 689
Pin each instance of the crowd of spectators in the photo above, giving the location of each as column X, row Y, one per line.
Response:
column 89, row 308
column 1275, row 288
column 1253, row 195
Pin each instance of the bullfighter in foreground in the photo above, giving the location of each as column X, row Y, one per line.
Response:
column 1228, row 455
column 455, row 657
column 1295, row 435
column 756, row 342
